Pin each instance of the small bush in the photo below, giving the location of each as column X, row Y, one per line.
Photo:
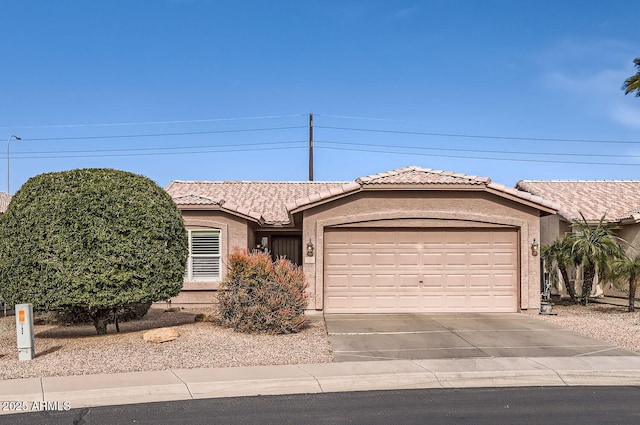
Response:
column 261, row 295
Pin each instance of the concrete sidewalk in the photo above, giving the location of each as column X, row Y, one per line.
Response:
column 32, row 394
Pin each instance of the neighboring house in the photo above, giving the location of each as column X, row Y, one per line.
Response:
column 5, row 198
column 407, row 240
column 616, row 200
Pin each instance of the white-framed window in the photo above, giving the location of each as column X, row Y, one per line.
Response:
column 204, row 256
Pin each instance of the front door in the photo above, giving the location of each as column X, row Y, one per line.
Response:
column 289, row 247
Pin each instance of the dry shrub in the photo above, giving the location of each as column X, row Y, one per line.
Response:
column 261, row 295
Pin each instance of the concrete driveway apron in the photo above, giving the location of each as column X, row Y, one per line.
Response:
column 357, row 337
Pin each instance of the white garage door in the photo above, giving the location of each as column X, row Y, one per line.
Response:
column 420, row 270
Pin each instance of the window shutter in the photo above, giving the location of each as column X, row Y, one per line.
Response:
column 204, row 259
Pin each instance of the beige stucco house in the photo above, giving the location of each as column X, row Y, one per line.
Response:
column 407, row 240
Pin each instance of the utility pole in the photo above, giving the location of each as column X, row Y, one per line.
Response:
column 310, row 147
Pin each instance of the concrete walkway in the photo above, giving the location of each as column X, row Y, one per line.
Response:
column 34, row 394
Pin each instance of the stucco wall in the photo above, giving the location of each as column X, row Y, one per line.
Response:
column 631, row 234
column 426, row 209
column 235, row 235
column 552, row 227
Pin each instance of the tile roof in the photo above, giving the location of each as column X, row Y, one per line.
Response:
column 427, row 176
column 272, row 202
column 262, row 200
column 5, row 198
column 615, row 199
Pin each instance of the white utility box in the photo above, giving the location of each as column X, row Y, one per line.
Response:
column 24, row 329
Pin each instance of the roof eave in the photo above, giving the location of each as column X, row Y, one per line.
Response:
column 524, row 198
column 254, row 217
column 316, row 200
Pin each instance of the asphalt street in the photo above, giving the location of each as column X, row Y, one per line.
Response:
column 495, row 406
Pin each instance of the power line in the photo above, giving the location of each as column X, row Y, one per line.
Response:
column 482, row 158
column 151, row 122
column 161, row 153
column 572, row 154
column 475, row 136
column 129, row 136
column 155, row 149
column 351, row 117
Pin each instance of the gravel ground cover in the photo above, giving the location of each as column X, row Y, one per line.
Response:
column 77, row 350
column 609, row 323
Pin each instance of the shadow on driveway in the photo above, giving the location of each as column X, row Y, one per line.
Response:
column 357, row 337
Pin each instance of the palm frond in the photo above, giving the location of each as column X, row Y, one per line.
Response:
column 632, row 84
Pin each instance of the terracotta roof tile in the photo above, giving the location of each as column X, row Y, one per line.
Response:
column 197, row 200
column 331, row 192
column 616, row 199
column 419, row 175
column 257, row 199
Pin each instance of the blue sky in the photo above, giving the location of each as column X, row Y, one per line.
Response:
column 221, row 90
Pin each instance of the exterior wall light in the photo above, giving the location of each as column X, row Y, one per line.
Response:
column 535, row 247
column 310, row 248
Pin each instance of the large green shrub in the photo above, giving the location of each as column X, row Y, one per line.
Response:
column 260, row 295
column 96, row 239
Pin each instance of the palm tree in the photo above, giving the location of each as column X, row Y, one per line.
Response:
column 557, row 257
column 632, row 84
column 627, row 270
column 592, row 246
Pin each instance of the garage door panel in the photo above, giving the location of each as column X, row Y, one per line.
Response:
column 360, row 240
column 432, row 302
column 361, row 281
column 480, row 259
column 409, row 282
column 455, row 259
column 432, row 239
column 503, row 281
column 504, row 239
column 361, row 259
column 362, row 302
column 504, row 258
column 384, row 259
column 435, row 281
column 409, row 302
column 420, row 270
column 337, row 260
column 385, row 281
column 382, row 239
column 385, row 302
column 479, row 281
column 432, row 259
column 408, row 259
column 455, row 302
column 479, row 301
column 455, row 281
column 456, row 239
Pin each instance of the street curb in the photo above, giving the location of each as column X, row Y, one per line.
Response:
column 187, row 384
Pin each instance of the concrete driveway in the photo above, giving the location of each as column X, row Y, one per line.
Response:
column 357, row 337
